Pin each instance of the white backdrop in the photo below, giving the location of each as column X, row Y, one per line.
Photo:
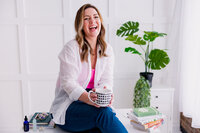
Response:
column 32, row 33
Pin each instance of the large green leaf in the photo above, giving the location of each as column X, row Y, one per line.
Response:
column 158, row 59
column 152, row 35
column 133, row 50
column 128, row 28
column 136, row 39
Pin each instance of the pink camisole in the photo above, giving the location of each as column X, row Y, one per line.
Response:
column 91, row 83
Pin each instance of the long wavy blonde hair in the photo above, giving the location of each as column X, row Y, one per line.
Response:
column 80, row 35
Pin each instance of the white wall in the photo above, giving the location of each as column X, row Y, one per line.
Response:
column 32, row 32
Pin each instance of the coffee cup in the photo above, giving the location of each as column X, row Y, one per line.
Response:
column 103, row 97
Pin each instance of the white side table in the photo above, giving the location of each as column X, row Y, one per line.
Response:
column 162, row 98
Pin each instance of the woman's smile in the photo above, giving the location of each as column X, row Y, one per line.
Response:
column 92, row 23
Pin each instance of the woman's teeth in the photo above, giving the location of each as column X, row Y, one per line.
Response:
column 95, row 27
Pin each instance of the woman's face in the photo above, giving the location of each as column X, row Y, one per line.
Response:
column 92, row 23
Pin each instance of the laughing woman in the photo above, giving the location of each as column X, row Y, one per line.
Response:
column 86, row 63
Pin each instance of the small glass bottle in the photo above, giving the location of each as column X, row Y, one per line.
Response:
column 34, row 125
column 26, row 124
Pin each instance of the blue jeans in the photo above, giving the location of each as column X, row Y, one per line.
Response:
column 84, row 118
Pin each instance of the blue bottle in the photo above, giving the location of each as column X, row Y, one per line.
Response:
column 26, row 124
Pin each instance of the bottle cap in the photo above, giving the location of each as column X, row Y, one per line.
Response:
column 26, row 119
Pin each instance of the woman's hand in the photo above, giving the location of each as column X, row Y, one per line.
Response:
column 93, row 96
column 84, row 98
column 111, row 101
column 112, row 98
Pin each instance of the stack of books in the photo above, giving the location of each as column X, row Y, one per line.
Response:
column 147, row 118
column 43, row 119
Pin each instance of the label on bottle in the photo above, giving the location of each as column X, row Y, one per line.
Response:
column 26, row 127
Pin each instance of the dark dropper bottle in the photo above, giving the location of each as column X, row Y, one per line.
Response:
column 26, row 124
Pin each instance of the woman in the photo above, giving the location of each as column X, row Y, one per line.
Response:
column 86, row 63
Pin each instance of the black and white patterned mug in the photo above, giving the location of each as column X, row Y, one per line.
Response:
column 103, row 97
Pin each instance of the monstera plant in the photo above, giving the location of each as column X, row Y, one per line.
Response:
column 153, row 58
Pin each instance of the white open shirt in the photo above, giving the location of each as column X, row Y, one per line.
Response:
column 75, row 75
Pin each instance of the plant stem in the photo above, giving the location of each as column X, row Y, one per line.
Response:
column 147, row 57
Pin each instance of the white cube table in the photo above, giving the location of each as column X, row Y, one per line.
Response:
column 121, row 114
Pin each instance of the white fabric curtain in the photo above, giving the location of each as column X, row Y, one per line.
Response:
column 189, row 60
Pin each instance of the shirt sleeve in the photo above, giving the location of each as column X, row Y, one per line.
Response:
column 107, row 75
column 69, row 72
